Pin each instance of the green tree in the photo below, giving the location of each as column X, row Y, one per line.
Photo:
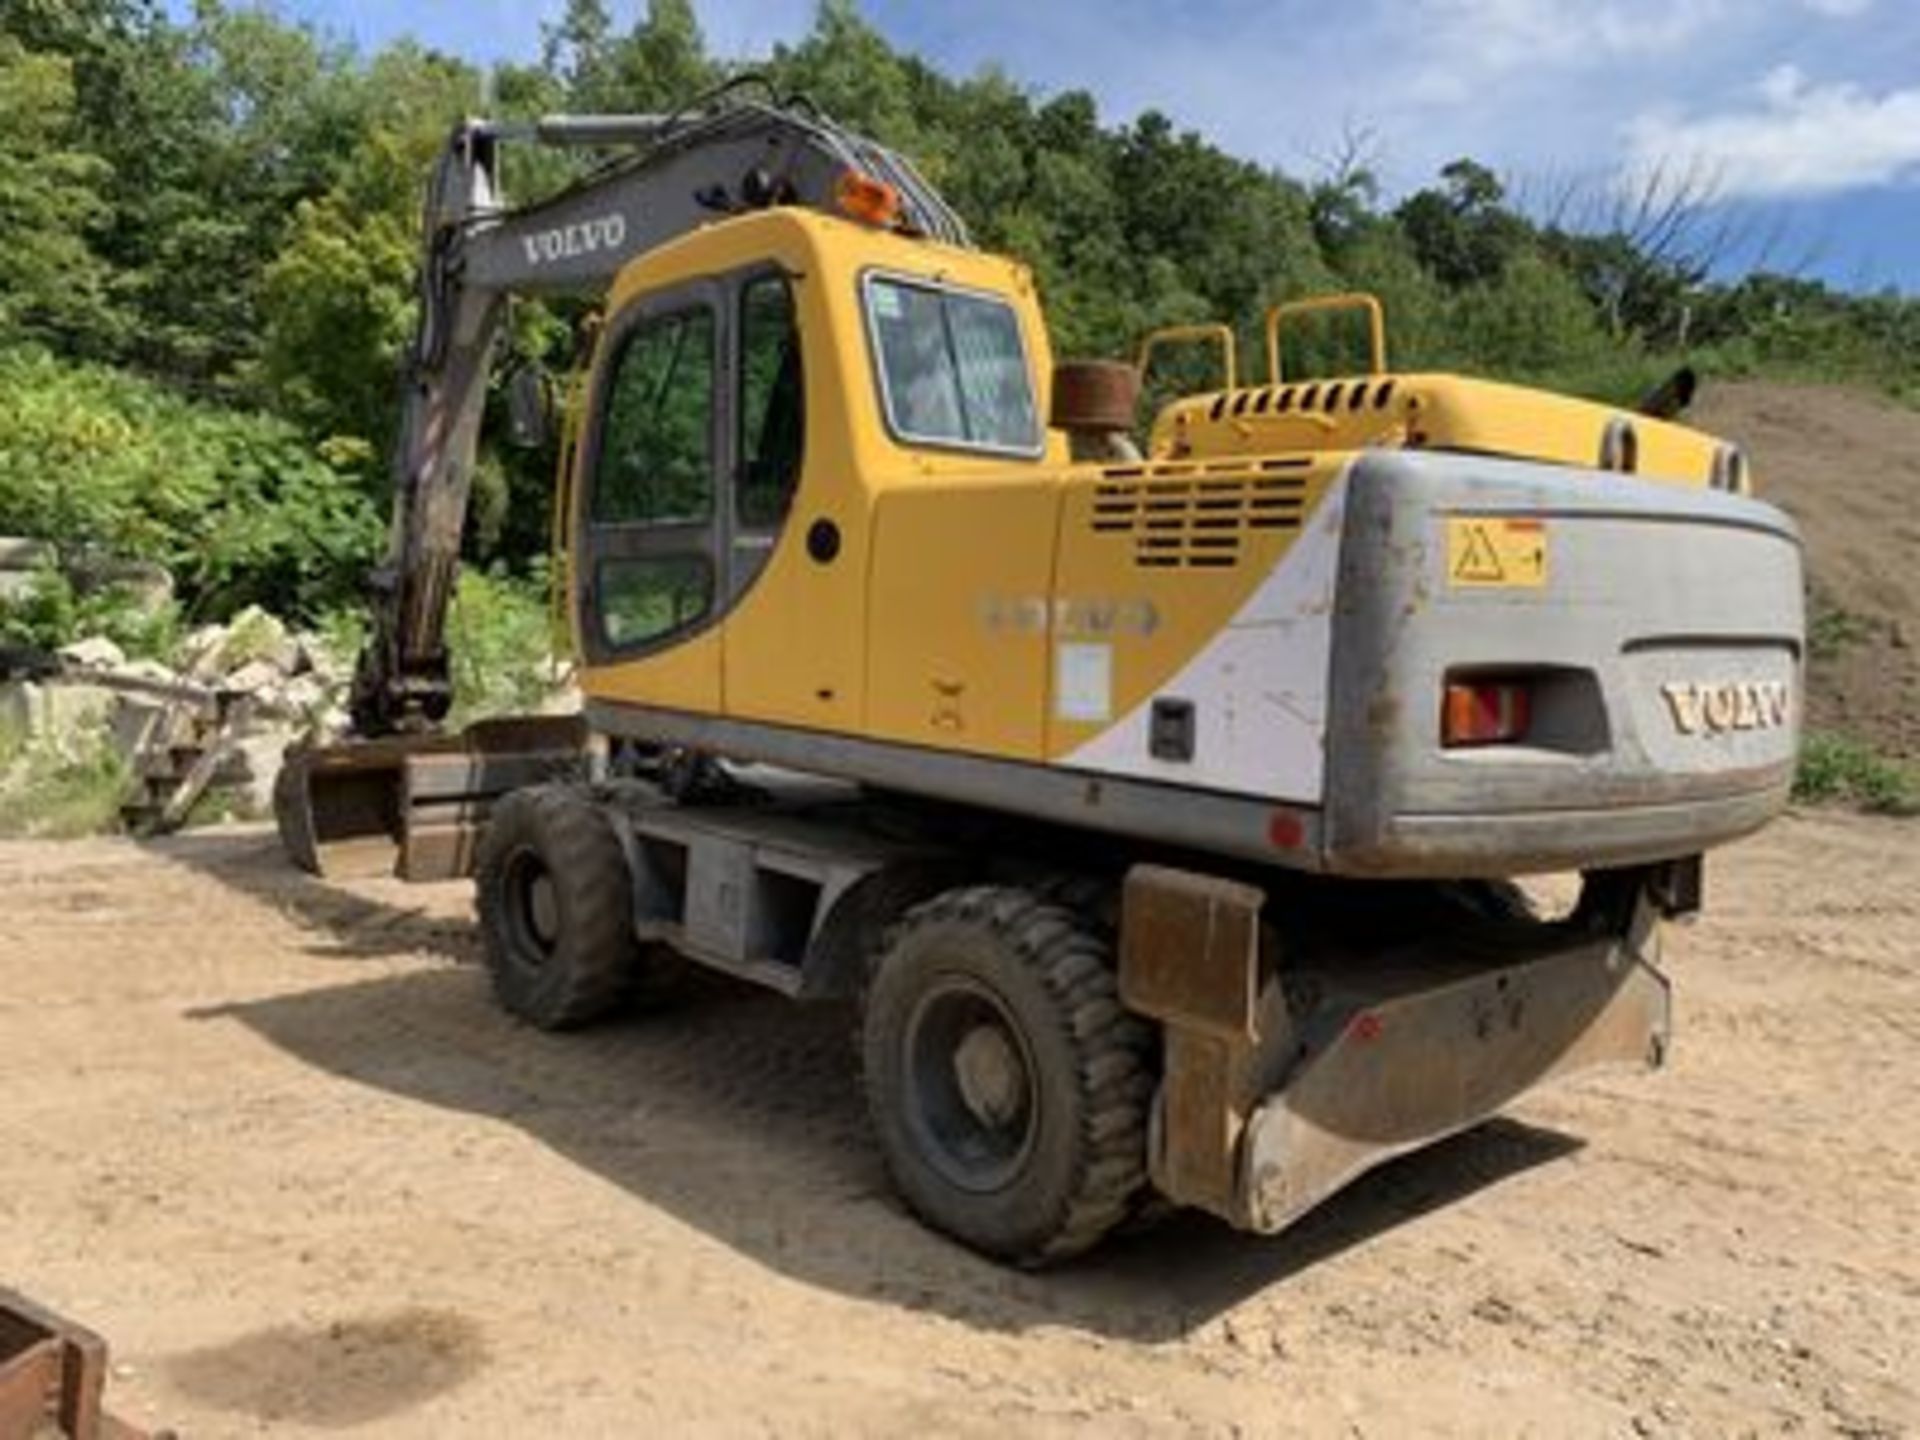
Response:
column 1532, row 319
column 662, row 63
column 577, row 51
column 336, row 301
column 53, row 286
column 849, row 69
column 1463, row 232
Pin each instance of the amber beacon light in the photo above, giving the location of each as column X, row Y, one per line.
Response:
column 870, row 201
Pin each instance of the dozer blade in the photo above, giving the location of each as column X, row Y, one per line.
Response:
column 414, row 805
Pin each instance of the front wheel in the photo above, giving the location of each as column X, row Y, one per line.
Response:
column 556, row 911
column 1008, row 1087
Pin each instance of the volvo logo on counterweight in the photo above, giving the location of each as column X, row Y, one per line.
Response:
column 1715, row 709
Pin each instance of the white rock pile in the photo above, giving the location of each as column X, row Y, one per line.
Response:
column 248, row 688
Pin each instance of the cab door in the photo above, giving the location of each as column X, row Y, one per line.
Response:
column 652, row 518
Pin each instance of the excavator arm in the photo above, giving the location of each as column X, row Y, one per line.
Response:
column 668, row 175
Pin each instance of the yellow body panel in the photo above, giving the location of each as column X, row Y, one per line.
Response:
column 962, row 578
column 685, row 676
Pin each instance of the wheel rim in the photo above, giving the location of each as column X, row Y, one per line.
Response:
column 970, row 1081
column 532, row 908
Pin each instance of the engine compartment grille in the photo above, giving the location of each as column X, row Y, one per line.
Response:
column 1197, row 515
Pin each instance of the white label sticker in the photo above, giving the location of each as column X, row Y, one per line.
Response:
column 1083, row 683
column 886, row 302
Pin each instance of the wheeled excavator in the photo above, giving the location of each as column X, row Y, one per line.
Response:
column 1158, row 806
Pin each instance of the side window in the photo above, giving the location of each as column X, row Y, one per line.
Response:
column 651, row 507
column 772, row 403
column 953, row 370
column 643, row 597
column 656, row 464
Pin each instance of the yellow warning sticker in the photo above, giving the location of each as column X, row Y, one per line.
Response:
column 1489, row 552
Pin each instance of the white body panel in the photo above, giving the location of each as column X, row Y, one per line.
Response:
column 1258, row 688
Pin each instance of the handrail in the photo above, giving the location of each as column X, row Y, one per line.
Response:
column 1177, row 334
column 1319, row 304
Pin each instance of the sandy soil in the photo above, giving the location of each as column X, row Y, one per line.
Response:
column 1846, row 464
column 273, row 1139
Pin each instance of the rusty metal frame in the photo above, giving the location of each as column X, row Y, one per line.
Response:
column 52, row 1375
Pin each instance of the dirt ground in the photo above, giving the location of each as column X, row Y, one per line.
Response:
column 1846, row 464
column 272, row 1138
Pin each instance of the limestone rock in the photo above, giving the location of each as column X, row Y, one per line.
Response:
column 96, row 651
column 256, row 636
column 201, row 653
column 257, row 677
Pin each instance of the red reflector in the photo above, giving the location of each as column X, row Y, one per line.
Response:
column 1485, row 712
column 1286, row 830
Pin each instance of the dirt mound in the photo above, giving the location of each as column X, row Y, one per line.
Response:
column 1847, row 465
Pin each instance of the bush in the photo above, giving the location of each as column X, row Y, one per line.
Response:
column 55, row 613
column 1839, row 768
column 1832, row 630
column 501, row 643
column 60, row 793
column 239, row 506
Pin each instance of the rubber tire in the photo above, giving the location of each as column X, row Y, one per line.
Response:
column 596, row 963
column 1053, row 973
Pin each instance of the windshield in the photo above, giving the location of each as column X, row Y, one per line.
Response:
column 952, row 368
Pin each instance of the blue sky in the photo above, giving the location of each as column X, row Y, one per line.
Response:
column 1802, row 115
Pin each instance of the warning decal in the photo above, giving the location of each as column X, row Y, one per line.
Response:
column 1493, row 553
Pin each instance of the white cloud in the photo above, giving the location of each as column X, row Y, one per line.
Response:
column 1800, row 139
column 1839, row 9
column 1468, row 42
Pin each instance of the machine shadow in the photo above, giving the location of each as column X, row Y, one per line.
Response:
column 740, row 1114
column 344, row 923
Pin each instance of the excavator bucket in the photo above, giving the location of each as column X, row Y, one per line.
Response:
column 414, row 805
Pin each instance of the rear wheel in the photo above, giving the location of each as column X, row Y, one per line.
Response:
column 1008, row 1087
column 556, row 911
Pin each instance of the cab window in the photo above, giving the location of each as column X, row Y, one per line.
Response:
column 772, row 406
column 952, row 368
column 643, row 597
column 656, row 463
column 651, row 508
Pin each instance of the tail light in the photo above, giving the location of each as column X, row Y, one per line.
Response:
column 1485, row 712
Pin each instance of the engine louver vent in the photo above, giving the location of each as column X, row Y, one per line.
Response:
column 1195, row 515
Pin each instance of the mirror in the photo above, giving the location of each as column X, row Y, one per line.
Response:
column 530, row 407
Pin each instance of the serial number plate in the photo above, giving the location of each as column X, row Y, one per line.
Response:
column 1493, row 553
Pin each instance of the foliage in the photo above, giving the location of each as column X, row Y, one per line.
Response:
column 58, row 792
column 239, row 506
column 336, row 299
column 54, row 612
column 500, row 642
column 1833, row 630
column 1840, row 768
column 52, row 285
